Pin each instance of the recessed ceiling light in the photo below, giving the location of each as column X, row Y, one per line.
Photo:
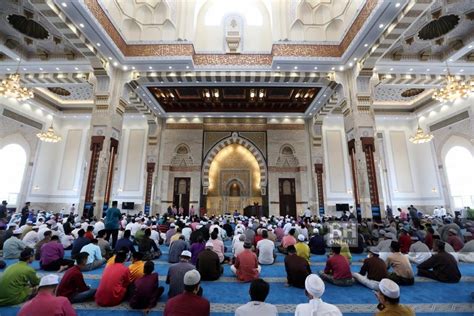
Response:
column 40, row 69
column 397, row 5
column 98, row 44
column 115, row 63
column 57, row 68
column 315, row 68
column 170, row 67
column 341, row 68
column 381, row 26
column 324, row 95
column 366, row 45
column 8, row 69
column 351, row 64
column 296, row 67
column 428, row 69
column 110, row 58
column 187, row 67
column 333, row 68
column 75, row 68
column 17, row 59
column 278, row 67
column 355, row 58
column 445, row 69
column 81, row 25
column 24, row 68
column 64, row 4
column 411, row 69
column 133, row 67
column 462, row 70
column 150, row 67
column 391, row 69
column 470, row 46
column 125, row 68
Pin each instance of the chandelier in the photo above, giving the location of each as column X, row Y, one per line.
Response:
column 11, row 87
column 420, row 137
column 49, row 136
column 454, row 89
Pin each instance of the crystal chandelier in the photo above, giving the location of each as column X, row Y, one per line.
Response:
column 49, row 136
column 420, row 137
column 11, row 87
column 454, row 89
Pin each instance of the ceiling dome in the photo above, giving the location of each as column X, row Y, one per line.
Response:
column 439, row 27
column 27, row 26
column 411, row 92
column 59, row 91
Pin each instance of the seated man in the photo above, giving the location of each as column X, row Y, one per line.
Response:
column 95, row 259
column 105, row 248
column 13, row 246
column 317, row 245
column 190, row 301
column 246, row 266
column 338, row 270
column 72, row 284
column 80, row 242
column 47, row 238
column 208, row 263
column 19, row 280
column 46, row 302
column 466, row 254
column 176, row 248
column 266, row 249
column 302, row 249
column 52, row 256
column 419, row 251
column 148, row 247
column 388, row 296
column 374, row 267
column 125, row 242
column 114, row 282
column 441, row 266
column 146, row 292
column 176, row 274
column 238, row 246
column 259, row 290
column 297, row 268
column 454, row 240
column 314, row 289
column 288, row 240
column 137, row 267
column 402, row 272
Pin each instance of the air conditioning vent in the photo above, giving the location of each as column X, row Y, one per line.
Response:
column 22, row 119
column 449, row 121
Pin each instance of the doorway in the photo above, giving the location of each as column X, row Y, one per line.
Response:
column 181, row 193
column 287, row 197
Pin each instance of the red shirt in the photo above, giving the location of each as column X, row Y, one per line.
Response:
column 405, row 243
column 187, row 304
column 45, row 304
column 456, row 242
column 257, row 239
column 113, row 285
column 246, row 264
column 72, row 283
column 89, row 235
column 339, row 267
column 429, row 240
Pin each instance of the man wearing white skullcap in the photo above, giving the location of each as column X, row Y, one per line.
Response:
column 302, row 249
column 190, row 301
column 314, row 289
column 388, row 296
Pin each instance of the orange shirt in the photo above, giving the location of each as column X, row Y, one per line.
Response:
column 136, row 270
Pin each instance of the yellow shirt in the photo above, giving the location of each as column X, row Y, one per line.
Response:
column 395, row 310
column 302, row 250
column 175, row 237
column 110, row 261
column 136, row 270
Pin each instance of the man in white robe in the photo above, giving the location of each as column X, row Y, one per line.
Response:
column 314, row 289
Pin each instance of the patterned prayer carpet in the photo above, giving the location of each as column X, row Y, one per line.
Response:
column 427, row 297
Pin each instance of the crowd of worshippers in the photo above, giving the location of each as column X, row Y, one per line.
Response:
column 197, row 253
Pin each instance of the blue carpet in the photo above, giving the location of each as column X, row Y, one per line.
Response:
column 427, row 297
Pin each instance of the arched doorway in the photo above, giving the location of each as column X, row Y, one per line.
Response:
column 234, row 180
column 12, row 168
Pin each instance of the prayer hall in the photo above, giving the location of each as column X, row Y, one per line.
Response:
column 237, row 157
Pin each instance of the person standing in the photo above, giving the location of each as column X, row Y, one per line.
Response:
column 112, row 222
column 258, row 291
column 297, row 268
column 3, row 210
column 46, row 303
column 25, row 212
column 72, row 284
column 314, row 289
column 372, row 271
column 189, row 302
column 19, row 280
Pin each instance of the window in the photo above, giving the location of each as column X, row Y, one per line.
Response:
column 460, row 171
column 12, row 169
column 245, row 8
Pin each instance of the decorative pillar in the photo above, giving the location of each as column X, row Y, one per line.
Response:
column 359, row 124
column 318, row 169
column 106, row 129
column 150, row 169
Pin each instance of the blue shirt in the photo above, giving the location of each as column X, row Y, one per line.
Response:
column 124, row 242
column 93, row 251
column 112, row 218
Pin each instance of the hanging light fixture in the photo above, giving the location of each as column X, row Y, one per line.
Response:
column 420, row 137
column 453, row 89
column 49, row 136
column 11, row 87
